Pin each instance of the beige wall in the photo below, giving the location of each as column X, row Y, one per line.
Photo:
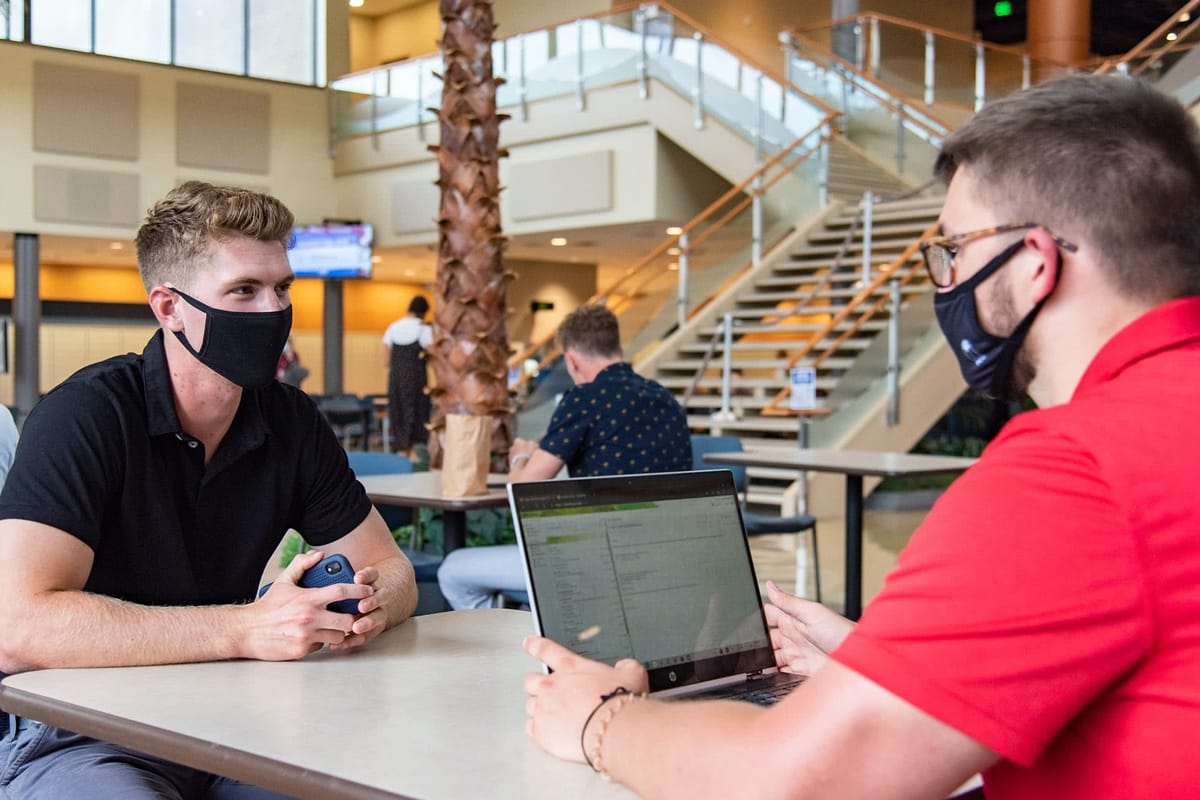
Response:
column 565, row 285
column 299, row 170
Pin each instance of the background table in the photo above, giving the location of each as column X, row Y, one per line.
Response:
column 854, row 464
column 424, row 490
column 433, row 708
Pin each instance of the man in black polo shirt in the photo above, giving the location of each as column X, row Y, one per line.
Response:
column 613, row 422
column 149, row 492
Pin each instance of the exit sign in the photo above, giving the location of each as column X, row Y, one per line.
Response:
column 1003, row 8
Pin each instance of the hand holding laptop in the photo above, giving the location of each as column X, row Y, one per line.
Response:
column 803, row 633
column 560, row 704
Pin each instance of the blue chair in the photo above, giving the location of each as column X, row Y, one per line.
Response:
column 425, row 565
column 755, row 523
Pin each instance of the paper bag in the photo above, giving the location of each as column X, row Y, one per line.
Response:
column 466, row 453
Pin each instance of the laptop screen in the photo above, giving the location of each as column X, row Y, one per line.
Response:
column 653, row 567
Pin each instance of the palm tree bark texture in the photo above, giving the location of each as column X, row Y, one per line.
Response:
column 469, row 353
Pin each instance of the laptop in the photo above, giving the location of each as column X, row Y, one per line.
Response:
column 654, row 567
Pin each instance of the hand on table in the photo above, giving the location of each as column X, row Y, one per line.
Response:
column 803, row 633
column 559, row 703
column 289, row 622
column 372, row 616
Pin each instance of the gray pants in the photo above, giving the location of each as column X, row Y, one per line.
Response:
column 471, row 577
column 40, row 762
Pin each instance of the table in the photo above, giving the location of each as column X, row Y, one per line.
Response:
column 424, row 490
column 854, row 464
column 431, row 709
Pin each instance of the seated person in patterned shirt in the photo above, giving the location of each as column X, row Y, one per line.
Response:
column 613, row 422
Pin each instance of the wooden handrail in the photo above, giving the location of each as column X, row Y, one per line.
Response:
column 885, row 274
column 737, row 192
column 883, row 94
column 943, row 32
column 708, row 34
column 1157, row 35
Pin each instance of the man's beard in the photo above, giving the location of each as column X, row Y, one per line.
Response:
column 1006, row 319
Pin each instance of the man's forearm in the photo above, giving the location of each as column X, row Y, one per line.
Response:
column 80, row 629
column 398, row 585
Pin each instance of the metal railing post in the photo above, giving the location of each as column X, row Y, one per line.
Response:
column 580, row 100
column 420, row 103
column 873, row 28
column 522, row 86
column 756, row 210
column 643, row 83
column 858, row 46
column 893, row 367
column 681, row 301
column 980, row 76
column 726, row 414
column 868, row 207
column 698, row 91
column 900, row 137
column 1026, row 71
column 930, row 73
column 823, row 166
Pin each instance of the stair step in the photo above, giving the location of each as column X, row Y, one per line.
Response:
column 907, row 290
column 689, row 366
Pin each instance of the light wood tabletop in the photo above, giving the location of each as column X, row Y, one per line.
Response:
column 431, row 709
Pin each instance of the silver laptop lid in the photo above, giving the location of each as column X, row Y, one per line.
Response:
column 654, row 567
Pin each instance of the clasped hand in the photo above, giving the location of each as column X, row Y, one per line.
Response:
column 290, row 622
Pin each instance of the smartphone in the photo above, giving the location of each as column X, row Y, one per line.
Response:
column 329, row 570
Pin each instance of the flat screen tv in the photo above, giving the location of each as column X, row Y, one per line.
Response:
column 335, row 250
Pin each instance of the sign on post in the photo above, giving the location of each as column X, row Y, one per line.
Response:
column 803, row 382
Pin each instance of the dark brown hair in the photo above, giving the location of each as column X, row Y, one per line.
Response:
column 1105, row 161
column 181, row 229
column 591, row 331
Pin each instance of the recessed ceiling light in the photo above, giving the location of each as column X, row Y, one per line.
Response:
column 674, row 230
column 673, row 266
column 408, row 273
column 116, row 246
column 558, row 241
column 376, row 259
column 1184, row 17
column 673, row 251
column 356, row 3
column 1172, row 36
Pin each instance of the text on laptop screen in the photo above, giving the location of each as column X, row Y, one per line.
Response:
column 666, row 581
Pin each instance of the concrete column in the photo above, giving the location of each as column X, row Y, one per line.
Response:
column 27, row 321
column 331, row 336
column 1058, row 31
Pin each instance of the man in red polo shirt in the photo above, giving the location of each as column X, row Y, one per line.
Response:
column 1043, row 626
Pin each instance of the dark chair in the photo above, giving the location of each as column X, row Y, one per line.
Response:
column 425, row 565
column 349, row 416
column 755, row 523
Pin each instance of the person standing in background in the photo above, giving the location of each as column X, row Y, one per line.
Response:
column 404, row 343
column 8, row 441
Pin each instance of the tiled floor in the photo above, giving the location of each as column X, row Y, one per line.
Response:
column 885, row 533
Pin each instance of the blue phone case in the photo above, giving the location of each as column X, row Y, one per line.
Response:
column 326, row 572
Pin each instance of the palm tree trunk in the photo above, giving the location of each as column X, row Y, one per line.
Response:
column 469, row 354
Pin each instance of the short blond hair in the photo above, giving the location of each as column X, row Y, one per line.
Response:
column 181, row 229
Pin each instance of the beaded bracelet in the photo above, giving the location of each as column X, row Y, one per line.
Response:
column 624, row 697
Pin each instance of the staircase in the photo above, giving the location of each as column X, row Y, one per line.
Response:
column 778, row 310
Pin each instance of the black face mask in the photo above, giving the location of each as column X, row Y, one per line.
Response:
column 986, row 360
column 241, row 346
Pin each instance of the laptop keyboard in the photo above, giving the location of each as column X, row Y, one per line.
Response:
column 764, row 691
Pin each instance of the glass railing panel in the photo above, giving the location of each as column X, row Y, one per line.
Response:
column 581, row 55
column 12, row 20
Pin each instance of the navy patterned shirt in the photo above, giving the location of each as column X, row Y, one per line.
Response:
column 618, row 424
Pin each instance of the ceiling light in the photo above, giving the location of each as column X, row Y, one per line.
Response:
column 1172, row 36
column 408, row 273
column 558, row 241
column 1185, row 17
column 356, row 3
column 376, row 259
column 673, row 251
column 116, row 246
column 674, row 230
column 673, row 266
